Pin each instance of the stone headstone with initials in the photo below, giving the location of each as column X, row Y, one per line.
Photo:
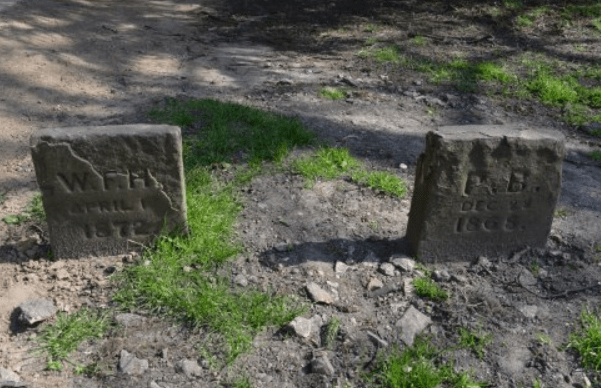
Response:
column 484, row 190
column 109, row 190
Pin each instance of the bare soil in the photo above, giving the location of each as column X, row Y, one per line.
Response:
column 83, row 63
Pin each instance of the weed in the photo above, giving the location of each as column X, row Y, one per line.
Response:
column 371, row 28
column 327, row 162
column 513, row 4
column 383, row 181
column 427, row 288
column 537, row 384
column 371, row 41
column 332, row 93
column 222, row 130
column 332, row 332
column 561, row 213
column 419, row 40
column 552, row 90
column 34, row 210
column 241, row 382
column 474, row 340
column 524, row 21
column 596, row 23
column 387, row 54
column 543, row 338
column 534, row 267
column 416, row 366
column 490, row 71
column 587, row 340
column 58, row 340
column 374, row 225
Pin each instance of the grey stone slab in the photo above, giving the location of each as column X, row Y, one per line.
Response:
column 33, row 311
column 108, row 190
column 484, row 190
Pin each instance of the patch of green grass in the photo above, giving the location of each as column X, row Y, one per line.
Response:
column 371, row 28
column 332, row 332
column 419, row 40
column 383, row 181
column 490, row 71
column 544, row 339
column 387, row 54
column 417, row 366
column 34, row 210
column 534, row 267
column 561, row 213
column 524, row 21
column 427, row 288
column 332, row 93
column 537, row 384
column 593, row 9
column 371, row 41
column 326, row 163
column 474, row 340
column 552, row 90
column 223, row 130
column 58, row 340
column 513, row 4
column 587, row 340
column 595, row 155
column 596, row 23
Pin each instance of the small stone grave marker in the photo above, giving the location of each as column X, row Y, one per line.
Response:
column 484, row 190
column 109, row 190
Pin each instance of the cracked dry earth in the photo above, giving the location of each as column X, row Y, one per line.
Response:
column 80, row 63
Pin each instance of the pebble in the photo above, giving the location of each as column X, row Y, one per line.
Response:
column 321, row 365
column 190, row 368
column 240, row 280
column 302, row 327
column 153, row 384
column 374, row 284
column 412, row 323
column 403, row 166
column 129, row 319
column 376, row 339
column 405, row 264
column 36, row 310
column 319, row 295
column 441, row 275
column 340, row 268
column 131, row 365
column 387, row 269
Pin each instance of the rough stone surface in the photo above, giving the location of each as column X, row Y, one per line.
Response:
column 131, row 365
column 403, row 263
column 36, row 310
column 374, row 284
column 106, row 187
column 411, row 324
column 317, row 294
column 484, row 190
column 190, row 368
column 129, row 319
column 441, row 275
column 10, row 379
column 302, row 327
column 387, row 269
column 323, row 366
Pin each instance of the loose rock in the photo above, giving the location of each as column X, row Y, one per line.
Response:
column 374, row 284
column 405, row 264
column 302, row 327
column 340, row 268
column 129, row 319
column 411, row 324
column 322, row 365
column 317, row 294
column 36, row 310
column 441, row 275
column 189, row 367
column 131, row 365
column 387, row 269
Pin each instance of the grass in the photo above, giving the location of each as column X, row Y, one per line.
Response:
column 417, row 366
column 333, row 94
column 427, row 288
column 419, row 40
column 2, row 197
column 587, row 340
column 332, row 332
column 595, row 155
column 203, row 296
column 34, row 210
column 544, row 339
column 474, row 340
column 223, row 130
column 332, row 163
column 58, row 340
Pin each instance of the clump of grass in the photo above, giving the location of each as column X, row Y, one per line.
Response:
column 552, row 90
column 544, row 339
column 525, row 20
column 223, row 130
column 327, row 163
column 474, row 340
column 34, row 210
column 332, row 93
column 427, row 288
column 513, row 4
column 332, row 332
column 595, row 155
column 387, row 54
column 383, row 181
column 419, row 40
column 587, row 340
column 2, row 197
column 58, row 340
column 417, row 366
column 371, row 41
column 490, row 71
column 371, row 28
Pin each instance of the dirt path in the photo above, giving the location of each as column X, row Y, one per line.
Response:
column 80, row 63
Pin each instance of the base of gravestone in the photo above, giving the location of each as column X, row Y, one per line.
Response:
column 484, row 191
column 109, row 190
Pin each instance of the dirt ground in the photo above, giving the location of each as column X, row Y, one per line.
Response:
column 81, row 63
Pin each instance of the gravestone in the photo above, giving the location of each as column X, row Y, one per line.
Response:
column 109, row 190
column 484, row 191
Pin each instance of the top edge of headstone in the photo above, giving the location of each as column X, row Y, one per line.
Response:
column 66, row 133
column 468, row 132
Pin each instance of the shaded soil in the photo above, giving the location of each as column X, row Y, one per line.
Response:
column 80, row 63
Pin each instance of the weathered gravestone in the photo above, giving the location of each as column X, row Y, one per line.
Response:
column 108, row 190
column 484, row 190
